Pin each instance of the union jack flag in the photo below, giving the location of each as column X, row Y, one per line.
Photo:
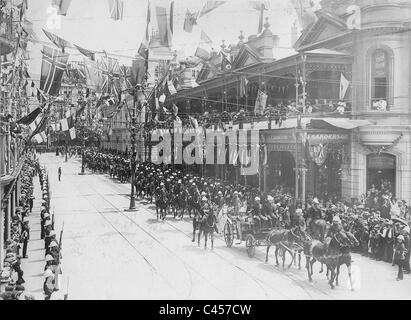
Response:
column 52, row 68
column 111, row 76
column 125, row 77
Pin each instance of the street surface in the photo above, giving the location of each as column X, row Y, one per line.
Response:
column 109, row 253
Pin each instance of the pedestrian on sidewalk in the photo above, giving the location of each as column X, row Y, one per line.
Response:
column 399, row 256
column 25, row 236
column 59, row 173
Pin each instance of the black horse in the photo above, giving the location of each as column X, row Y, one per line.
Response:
column 333, row 256
column 161, row 204
column 207, row 226
column 279, row 238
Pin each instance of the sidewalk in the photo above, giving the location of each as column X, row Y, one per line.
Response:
column 33, row 267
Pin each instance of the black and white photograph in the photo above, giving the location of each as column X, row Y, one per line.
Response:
column 195, row 151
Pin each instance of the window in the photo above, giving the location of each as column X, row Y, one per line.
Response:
column 380, row 70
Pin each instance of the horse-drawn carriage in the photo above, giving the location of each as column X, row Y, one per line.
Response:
column 252, row 232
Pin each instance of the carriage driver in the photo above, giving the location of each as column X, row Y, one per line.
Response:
column 299, row 221
column 314, row 214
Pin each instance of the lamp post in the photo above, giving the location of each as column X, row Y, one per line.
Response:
column 132, row 206
column 133, row 163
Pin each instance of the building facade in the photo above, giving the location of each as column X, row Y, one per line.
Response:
column 381, row 68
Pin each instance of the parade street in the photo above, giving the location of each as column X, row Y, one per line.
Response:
column 110, row 253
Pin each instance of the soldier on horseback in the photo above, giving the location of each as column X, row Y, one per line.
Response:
column 336, row 230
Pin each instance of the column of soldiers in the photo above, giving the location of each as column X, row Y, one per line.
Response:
column 52, row 269
column 19, row 236
column 181, row 192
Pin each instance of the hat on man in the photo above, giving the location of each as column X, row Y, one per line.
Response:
column 257, row 199
column 204, row 198
column 49, row 257
column 315, row 200
column 299, row 211
column 48, row 273
column 52, row 233
column 53, row 244
column 270, row 198
column 26, row 219
column 336, row 218
column 400, row 237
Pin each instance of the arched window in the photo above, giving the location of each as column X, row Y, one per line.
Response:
column 380, row 80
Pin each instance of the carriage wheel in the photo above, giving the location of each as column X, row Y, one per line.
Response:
column 249, row 243
column 228, row 235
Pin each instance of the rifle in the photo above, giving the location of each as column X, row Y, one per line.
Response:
column 61, row 238
column 52, row 219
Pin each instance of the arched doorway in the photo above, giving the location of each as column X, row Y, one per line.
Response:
column 281, row 170
column 381, row 171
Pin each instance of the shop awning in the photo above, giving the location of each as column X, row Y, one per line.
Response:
column 343, row 123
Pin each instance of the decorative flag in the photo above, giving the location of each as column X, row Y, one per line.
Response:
column 65, row 125
column 111, row 76
column 162, row 98
column 171, row 87
column 52, row 68
column 243, row 87
column 143, row 114
column 165, row 24
column 116, row 9
column 225, row 62
column 344, row 83
column 27, row 27
column 175, row 109
column 125, row 77
column 26, row 120
column 93, row 75
column 40, row 123
column 40, row 137
column 193, row 122
column 171, row 18
column 138, row 71
column 143, row 50
column 189, row 21
column 88, row 53
column 72, row 131
column 59, row 42
column 210, row 6
column 62, row 6
column 204, row 47
column 260, row 102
